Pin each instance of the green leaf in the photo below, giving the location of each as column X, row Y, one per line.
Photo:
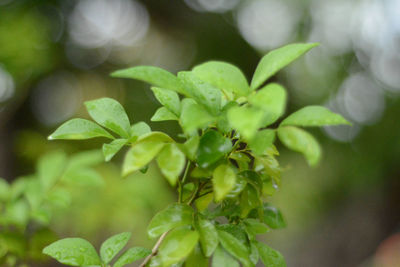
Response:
column 163, row 114
column 109, row 113
column 168, row 98
column 140, row 155
column 224, row 76
column 73, row 252
column 272, row 100
column 132, row 255
column 153, row 75
column 301, row 141
column 269, row 256
column 139, row 128
column 85, row 159
column 193, row 116
column 196, row 258
column 208, row 236
column 109, row 150
column 50, row 167
column 273, row 217
column 262, row 141
column 314, row 116
column 277, row 59
column 213, row 146
column 171, row 161
column 204, row 93
column 178, row 244
column 255, row 227
column 234, row 247
column 4, row 190
column 156, row 137
column 110, row 248
column 190, row 147
column 246, row 120
column 222, row 259
column 173, row 216
column 17, row 213
column 83, row 177
column 254, row 255
column 224, row 180
column 78, row 129
column 249, row 199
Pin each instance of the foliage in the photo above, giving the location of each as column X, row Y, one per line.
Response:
column 224, row 168
column 27, row 205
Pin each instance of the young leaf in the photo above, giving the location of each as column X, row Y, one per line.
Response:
column 246, row 120
column 269, row 256
column 178, row 244
column 224, row 76
column 221, row 258
column 110, row 114
column 314, row 116
column 173, row 216
column 171, row 161
column 273, row 217
column 168, row 98
column 224, row 179
column 132, row 255
column 213, row 146
column 73, row 252
column 78, row 129
column 109, row 150
column 262, row 141
column 153, row 75
column 204, row 93
column 164, row 114
column 301, row 141
column 190, row 147
column 110, row 248
column 277, row 59
column 140, row 154
column 50, row 168
column 193, row 116
column 155, row 137
column 139, row 128
column 272, row 100
column 234, row 247
column 208, row 236
column 196, row 258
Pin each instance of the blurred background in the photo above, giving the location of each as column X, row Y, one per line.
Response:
column 55, row 54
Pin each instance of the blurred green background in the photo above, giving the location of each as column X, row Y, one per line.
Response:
column 55, row 54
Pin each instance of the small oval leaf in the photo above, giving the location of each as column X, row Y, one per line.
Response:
column 110, row 248
column 78, row 129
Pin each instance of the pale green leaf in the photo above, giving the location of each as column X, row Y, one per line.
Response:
column 221, row 258
column 110, row 114
column 190, row 147
column 171, row 161
column 109, row 150
column 224, row 180
column 156, row 137
column 301, row 141
column 4, row 189
column 173, row 216
column 73, row 252
column 277, row 59
column 153, row 75
column 83, row 177
column 314, row 116
column 269, row 256
column 132, row 255
column 50, row 168
column 272, row 100
column 224, row 76
column 178, row 244
column 234, row 247
column 85, row 159
column 193, row 116
column 110, row 248
column 246, row 120
column 196, row 258
column 262, row 141
column 139, row 128
column 78, row 129
column 208, row 236
column 163, row 114
column 168, row 98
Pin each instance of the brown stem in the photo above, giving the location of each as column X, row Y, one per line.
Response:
column 154, row 251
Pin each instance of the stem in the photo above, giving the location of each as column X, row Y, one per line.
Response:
column 154, row 250
column 182, row 182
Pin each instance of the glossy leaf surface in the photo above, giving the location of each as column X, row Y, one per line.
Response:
column 78, row 129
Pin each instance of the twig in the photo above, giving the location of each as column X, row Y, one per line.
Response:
column 154, row 251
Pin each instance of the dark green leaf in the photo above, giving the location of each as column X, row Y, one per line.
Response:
column 277, row 59
column 153, row 75
column 249, row 199
column 73, row 251
column 132, row 255
column 262, row 140
column 78, row 129
column 109, row 150
column 234, row 247
column 269, row 256
column 208, row 236
column 171, row 161
column 178, row 244
column 164, row 114
column 246, row 120
column 193, row 116
column 173, row 216
column 221, row 258
column 212, row 147
column 168, row 98
column 224, row 180
column 110, row 248
column 301, row 141
column 314, row 116
column 224, row 76
column 273, row 217
column 109, row 113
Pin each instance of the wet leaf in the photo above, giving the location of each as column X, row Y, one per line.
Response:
column 212, row 147
column 110, row 248
column 77, row 129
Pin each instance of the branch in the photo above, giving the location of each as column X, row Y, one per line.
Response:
column 154, row 251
